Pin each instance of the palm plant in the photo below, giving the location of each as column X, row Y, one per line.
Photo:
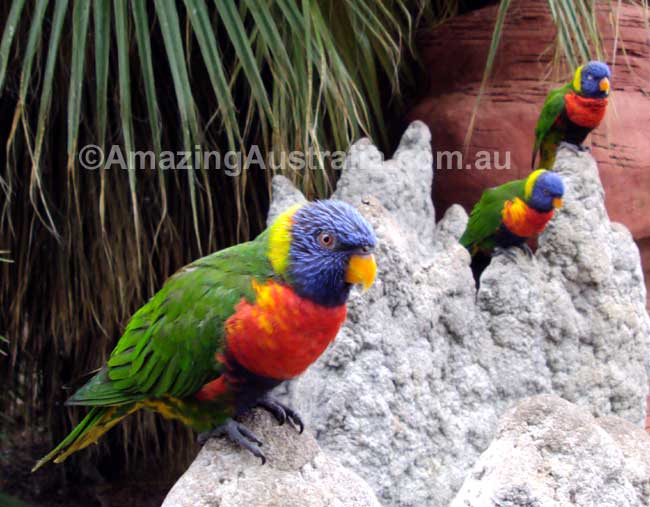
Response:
column 223, row 75
column 282, row 74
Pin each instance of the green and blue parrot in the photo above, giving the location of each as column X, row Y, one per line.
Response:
column 571, row 112
column 228, row 328
column 510, row 214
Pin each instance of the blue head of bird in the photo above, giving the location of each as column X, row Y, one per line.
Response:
column 330, row 250
column 547, row 191
column 592, row 80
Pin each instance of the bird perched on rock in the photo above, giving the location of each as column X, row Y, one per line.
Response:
column 508, row 215
column 226, row 329
column 571, row 112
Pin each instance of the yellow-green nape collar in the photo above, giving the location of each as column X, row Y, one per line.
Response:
column 530, row 183
column 577, row 79
column 280, row 239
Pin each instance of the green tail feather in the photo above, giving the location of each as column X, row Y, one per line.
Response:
column 100, row 392
column 98, row 421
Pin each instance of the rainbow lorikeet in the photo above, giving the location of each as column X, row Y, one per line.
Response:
column 226, row 329
column 571, row 112
column 510, row 214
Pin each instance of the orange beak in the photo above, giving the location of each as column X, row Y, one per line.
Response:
column 557, row 202
column 361, row 269
column 604, row 85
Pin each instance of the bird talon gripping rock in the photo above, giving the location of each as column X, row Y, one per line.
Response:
column 281, row 412
column 505, row 252
column 571, row 147
column 242, row 436
column 527, row 250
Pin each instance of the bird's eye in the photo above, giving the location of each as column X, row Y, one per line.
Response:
column 326, row 239
column 547, row 193
column 590, row 77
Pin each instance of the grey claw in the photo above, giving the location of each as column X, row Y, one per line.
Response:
column 575, row 148
column 507, row 252
column 244, row 431
column 281, row 412
column 527, row 251
column 237, row 433
column 569, row 146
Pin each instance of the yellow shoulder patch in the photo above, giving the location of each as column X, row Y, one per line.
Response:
column 530, row 183
column 577, row 79
column 280, row 239
column 514, row 212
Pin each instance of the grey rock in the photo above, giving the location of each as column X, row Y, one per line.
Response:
column 402, row 184
column 285, row 195
column 450, row 228
column 410, row 392
column 297, row 474
column 551, row 453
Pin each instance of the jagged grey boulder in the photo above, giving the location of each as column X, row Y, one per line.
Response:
column 285, row 195
column 297, row 474
column 550, row 453
column 410, row 393
column 402, row 184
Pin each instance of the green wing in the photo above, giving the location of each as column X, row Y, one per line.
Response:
column 552, row 108
column 169, row 345
column 485, row 218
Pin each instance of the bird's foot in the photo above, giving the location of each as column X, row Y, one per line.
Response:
column 575, row 148
column 237, row 433
column 507, row 252
column 281, row 412
column 529, row 253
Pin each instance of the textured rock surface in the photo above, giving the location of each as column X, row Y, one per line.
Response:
column 297, row 474
column 411, row 391
column 402, row 184
column 549, row 452
column 520, row 79
column 285, row 195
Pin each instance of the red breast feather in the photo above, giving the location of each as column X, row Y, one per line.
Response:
column 583, row 111
column 281, row 334
column 522, row 220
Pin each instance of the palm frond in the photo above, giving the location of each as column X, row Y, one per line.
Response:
column 8, row 36
column 166, row 76
column 3, row 341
